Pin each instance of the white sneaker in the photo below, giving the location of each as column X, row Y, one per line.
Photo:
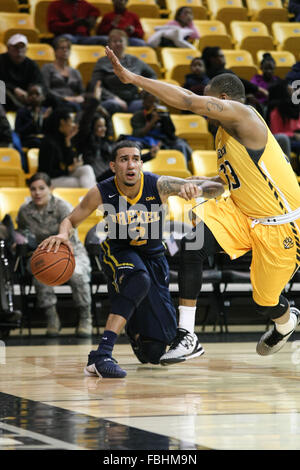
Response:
column 184, row 346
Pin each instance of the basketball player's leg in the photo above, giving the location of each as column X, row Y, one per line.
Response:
column 195, row 249
column 128, row 284
column 270, row 272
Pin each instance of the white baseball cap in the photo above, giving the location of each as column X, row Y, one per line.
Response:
column 16, row 39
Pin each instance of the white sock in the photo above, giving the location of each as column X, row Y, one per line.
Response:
column 187, row 318
column 287, row 327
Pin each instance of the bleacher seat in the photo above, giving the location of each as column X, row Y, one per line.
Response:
column 168, row 162
column 41, row 53
column 11, row 200
column 11, row 173
column 204, row 163
column 193, row 128
column 149, row 25
column 84, row 58
column 144, row 8
column 287, row 37
column 74, row 196
column 284, row 61
column 11, row 6
column 227, row 11
column 39, row 9
column 241, row 63
column 148, row 55
column 267, row 11
column 176, row 62
column 199, row 10
column 121, row 124
column 21, row 23
column 213, row 33
column 252, row 36
column 104, row 6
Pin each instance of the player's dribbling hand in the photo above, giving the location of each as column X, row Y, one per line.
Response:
column 54, row 242
column 124, row 75
column 190, row 191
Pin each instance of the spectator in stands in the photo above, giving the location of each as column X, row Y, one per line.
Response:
column 284, row 115
column 294, row 73
column 9, row 138
column 267, row 78
column 294, row 7
column 177, row 32
column 57, row 156
column 197, row 80
column 30, row 119
column 117, row 96
column 17, row 72
column 39, row 219
column 121, row 18
column 153, row 126
column 74, row 19
column 63, row 82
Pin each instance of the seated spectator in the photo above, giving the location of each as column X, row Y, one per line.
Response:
column 63, row 82
column 284, row 115
column 74, row 19
column 267, row 78
column 39, row 219
column 294, row 73
column 121, row 18
column 118, row 96
column 30, row 119
column 197, row 80
column 17, row 72
column 294, row 7
column 58, row 158
column 153, row 125
column 9, row 138
column 177, row 32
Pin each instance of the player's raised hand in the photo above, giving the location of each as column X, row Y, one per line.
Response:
column 124, row 75
column 54, row 242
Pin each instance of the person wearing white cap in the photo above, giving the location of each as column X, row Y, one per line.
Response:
column 17, row 72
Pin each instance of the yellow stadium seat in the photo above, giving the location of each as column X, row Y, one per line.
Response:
column 267, row 11
column 176, row 62
column 73, row 196
column 179, row 209
column 287, row 37
column 213, row 33
column 168, row 162
column 251, row 36
column 39, row 11
column 11, row 200
column 41, row 53
column 144, row 8
column 199, row 11
column 193, row 128
column 204, row 163
column 148, row 55
column 11, row 6
column 11, row 117
column 13, row 23
column 84, row 58
column 149, row 25
column 241, row 63
column 121, row 124
column 227, row 11
column 284, row 61
column 11, row 173
column 3, row 48
column 104, row 6
column 33, row 160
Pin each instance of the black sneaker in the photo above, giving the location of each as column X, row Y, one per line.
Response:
column 103, row 366
column 272, row 341
column 184, row 346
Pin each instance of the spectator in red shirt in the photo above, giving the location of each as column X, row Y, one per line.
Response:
column 125, row 20
column 74, row 19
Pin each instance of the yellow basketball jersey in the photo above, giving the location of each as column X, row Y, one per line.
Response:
column 262, row 186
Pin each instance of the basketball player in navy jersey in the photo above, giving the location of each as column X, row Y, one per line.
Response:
column 133, row 256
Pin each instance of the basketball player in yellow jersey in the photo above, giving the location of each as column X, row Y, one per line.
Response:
column 262, row 213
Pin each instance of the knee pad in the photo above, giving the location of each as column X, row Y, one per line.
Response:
column 275, row 311
column 152, row 349
column 133, row 291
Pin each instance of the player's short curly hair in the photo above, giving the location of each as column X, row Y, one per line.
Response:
column 228, row 83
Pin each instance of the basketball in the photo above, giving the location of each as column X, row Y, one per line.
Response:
column 53, row 269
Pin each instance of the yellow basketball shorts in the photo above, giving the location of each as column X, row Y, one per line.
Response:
column 274, row 247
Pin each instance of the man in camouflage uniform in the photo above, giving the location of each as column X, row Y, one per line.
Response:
column 45, row 222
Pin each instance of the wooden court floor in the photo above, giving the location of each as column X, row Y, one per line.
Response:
column 230, row 398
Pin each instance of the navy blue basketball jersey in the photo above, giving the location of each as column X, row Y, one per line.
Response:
column 138, row 222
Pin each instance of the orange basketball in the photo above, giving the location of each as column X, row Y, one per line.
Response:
column 53, row 269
